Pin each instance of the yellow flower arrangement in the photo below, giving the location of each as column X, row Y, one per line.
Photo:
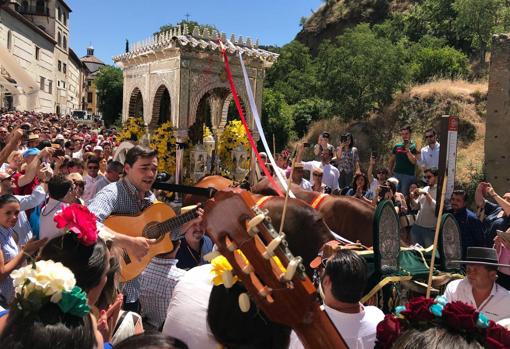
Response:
column 133, row 129
column 233, row 136
column 163, row 141
column 220, row 265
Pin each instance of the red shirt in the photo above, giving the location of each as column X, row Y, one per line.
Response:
column 26, row 189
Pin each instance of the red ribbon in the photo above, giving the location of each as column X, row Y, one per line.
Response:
column 245, row 124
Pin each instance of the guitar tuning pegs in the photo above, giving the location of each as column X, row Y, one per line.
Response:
column 264, row 291
column 292, row 268
column 228, row 278
column 248, row 269
column 211, row 255
column 251, row 226
column 231, row 246
column 272, row 246
column 244, row 302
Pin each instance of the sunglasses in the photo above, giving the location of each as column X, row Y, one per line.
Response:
column 317, row 175
column 429, row 177
column 429, row 136
column 93, row 168
column 79, row 184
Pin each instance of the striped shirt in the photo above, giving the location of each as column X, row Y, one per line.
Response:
column 9, row 251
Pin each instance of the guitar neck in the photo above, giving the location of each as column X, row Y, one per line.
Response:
column 173, row 224
column 320, row 332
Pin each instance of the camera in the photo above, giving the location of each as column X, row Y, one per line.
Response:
column 373, row 154
column 382, row 192
column 343, row 139
column 306, row 145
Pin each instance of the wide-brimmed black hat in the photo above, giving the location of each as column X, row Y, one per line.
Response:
column 482, row 255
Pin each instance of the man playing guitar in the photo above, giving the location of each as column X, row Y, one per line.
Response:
column 129, row 196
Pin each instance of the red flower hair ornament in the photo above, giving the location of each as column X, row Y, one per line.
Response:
column 79, row 220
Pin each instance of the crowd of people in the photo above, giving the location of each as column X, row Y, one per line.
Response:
column 59, row 264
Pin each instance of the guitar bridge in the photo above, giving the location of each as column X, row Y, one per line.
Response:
column 126, row 257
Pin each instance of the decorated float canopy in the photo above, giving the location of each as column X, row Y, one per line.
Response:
column 178, row 79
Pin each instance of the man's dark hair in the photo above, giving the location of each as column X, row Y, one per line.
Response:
column 348, row 274
column 93, row 160
column 75, row 163
column 406, row 127
column 431, row 130
column 115, row 166
column 461, row 192
column 58, row 186
column 434, row 171
column 138, row 152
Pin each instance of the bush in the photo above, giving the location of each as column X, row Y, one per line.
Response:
column 437, row 62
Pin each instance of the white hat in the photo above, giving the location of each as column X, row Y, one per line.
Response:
column 98, row 147
column 59, row 136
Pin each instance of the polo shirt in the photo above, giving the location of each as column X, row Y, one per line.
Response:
column 496, row 307
column 358, row 330
column 330, row 173
column 402, row 163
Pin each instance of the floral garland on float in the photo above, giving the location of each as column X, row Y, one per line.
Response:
column 233, row 139
column 457, row 317
column 164, row 142
column 133, row 129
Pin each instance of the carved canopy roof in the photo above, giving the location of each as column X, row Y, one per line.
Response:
column 206, row 41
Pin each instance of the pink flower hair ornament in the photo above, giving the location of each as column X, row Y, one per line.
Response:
column 79, row 220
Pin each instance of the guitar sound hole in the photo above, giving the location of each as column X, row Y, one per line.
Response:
column 152, row 231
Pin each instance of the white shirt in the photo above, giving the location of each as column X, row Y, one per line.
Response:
column 427, row 214
column 90, row 185
column 496, row 307
column 27, row 202
column 47, row 226
column 306, row 185
column 430, row 156
column 330, row 173
column 358, row 330
column 186, row 317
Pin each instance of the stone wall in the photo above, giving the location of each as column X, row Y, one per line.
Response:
column 497, row 140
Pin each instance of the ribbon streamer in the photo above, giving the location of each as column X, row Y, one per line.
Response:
column 245, row 124
column 260, row 129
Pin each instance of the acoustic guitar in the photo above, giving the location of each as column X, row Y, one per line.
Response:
column 158, row 222
column 234, row 221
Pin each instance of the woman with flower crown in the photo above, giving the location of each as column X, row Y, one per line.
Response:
column 49, row 311
column 11, row 257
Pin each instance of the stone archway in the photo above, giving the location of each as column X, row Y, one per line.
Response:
column 136, row 103
column 161, row 108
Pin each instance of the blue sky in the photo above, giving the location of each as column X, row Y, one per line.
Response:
column 106, row 24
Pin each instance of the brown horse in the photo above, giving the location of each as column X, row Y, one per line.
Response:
column 345, row 215
column 304, row 228
column 216, row 182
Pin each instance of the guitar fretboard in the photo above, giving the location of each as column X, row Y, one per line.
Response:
column 174, row 223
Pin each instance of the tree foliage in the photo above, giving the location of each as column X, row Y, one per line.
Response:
column 109, row 84
column 360, row 71
column 277, row 118
column 191, row 25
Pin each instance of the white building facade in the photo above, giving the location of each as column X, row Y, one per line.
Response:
column 38, row 70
